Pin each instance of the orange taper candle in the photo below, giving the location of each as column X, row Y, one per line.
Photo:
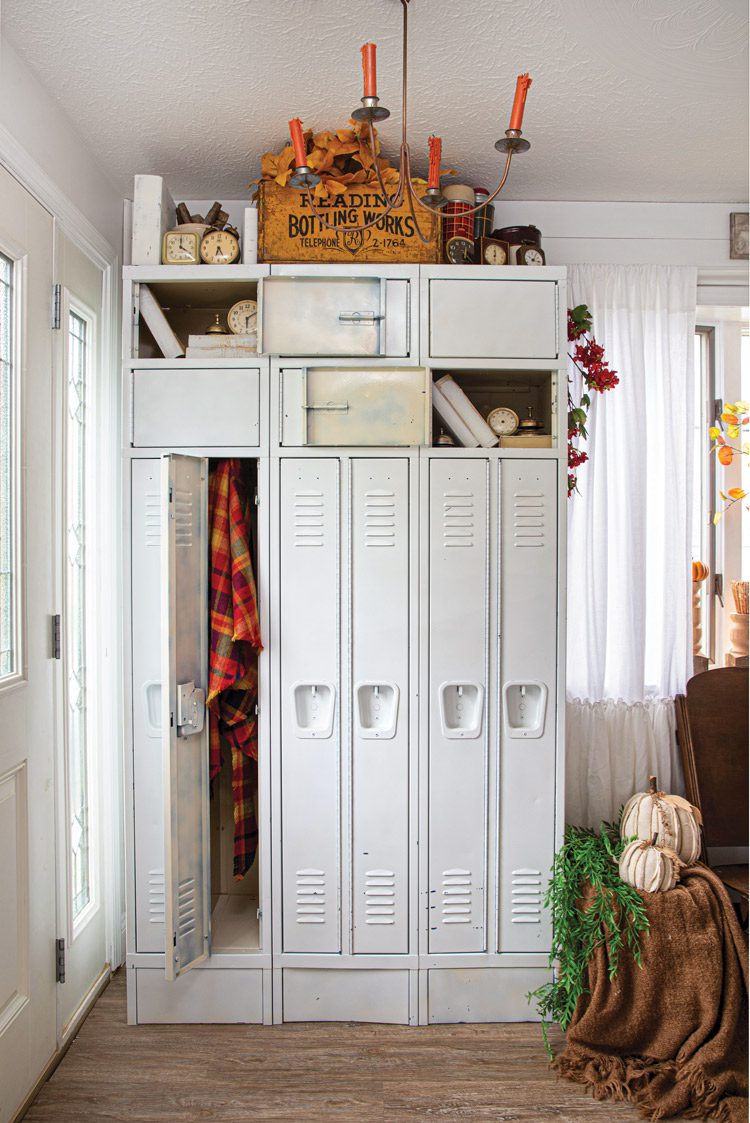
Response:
column 298, row 142
column 436, row 147
column 368, row 66
column 522, row 84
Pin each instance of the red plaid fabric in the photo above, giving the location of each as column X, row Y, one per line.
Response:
column 235, row 641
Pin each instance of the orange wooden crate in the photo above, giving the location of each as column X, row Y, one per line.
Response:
column 288, row 231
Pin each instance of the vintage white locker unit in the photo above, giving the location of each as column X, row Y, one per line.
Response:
column 411, row 683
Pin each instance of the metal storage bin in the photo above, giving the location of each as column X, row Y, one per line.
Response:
column 487, row 319
column 334, row 316
column 188, row 407
column 337, row 406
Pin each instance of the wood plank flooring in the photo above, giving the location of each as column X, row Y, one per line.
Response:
column 307, row 1073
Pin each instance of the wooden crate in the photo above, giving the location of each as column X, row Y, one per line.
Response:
column 288, row 231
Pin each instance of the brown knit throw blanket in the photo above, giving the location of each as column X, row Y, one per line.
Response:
column 671, row 1037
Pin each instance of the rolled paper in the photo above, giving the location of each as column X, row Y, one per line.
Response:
column 451, row 419
column 298, row 142
column 436, row 148
column 522, row 85
column 369, row 69
column 467, row 411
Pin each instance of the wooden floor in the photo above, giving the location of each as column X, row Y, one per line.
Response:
column 307, row 1072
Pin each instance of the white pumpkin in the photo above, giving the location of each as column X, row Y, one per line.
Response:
column 649, row 867
column 673, row 820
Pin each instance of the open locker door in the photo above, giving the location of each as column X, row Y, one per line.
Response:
column 184, row 606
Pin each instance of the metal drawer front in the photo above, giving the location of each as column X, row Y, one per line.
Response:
column 339, row 407
column 183, row 408
column 493, row 319
column 334, row 316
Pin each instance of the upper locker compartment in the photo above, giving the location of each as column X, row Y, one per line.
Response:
column 191, row 387
column 481, row 313
column 313, row 311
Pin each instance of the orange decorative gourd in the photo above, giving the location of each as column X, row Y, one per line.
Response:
column 700, row 571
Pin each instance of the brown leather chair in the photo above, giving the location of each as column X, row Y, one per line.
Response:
column 712, row 732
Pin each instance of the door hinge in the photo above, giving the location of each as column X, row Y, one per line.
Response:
column 60, row 960
column 56, row 307
column 718, row 408
column 719, row 587
column 57, row 637
column 257, row 498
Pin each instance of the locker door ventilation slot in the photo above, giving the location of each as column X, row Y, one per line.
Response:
column 528, row 518
column 527, row 897
column 156, row 896
column 380, row 894
column 183, row 518
column 152, row 520
column 186, row 907
column 456, row 904
column 458, row 518
column 311, row 896
column 309, row 518
column 380, row 518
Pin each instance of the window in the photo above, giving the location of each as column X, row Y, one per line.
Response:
column 703, row 534
column 9, row 568
column 75, row 614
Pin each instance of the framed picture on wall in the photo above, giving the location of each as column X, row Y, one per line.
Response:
column 738, row 236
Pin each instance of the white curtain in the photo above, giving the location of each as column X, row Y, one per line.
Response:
column 629, row 630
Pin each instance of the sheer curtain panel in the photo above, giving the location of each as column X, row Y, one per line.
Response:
column 629, row 636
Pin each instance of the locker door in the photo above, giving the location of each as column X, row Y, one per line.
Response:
column 148, row 781
column 379, row 614
column 458, row 609
column 310, row 705
column 528, row 662
column 184, row 496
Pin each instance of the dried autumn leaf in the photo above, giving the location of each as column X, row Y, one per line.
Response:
column 729, row 418
column 717, row 518
column 713, row 432
column 725, row 455
column 733, row 432
column 737, row 493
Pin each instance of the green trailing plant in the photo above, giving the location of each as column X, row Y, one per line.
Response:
column 590, row 905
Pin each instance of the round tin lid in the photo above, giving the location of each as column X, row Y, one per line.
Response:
column 459, row 193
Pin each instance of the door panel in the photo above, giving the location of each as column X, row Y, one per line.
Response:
column 310, row 704
column 184, row 721
column 458, row 605
column 493, row 319
column 528, row 660
column 184, row 407
column 380, row 575
column 148, row 772
column 27, row 686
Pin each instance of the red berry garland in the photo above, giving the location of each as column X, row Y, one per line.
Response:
column 589, row 357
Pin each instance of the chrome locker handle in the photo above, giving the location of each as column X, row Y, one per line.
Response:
column 365, row 318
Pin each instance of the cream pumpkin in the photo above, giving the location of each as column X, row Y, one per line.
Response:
column 649, row 867
column 674, row 822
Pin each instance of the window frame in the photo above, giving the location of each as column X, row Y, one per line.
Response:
column 707, row 334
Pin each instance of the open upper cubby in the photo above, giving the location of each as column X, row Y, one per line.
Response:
column 519, row 390
column 191, row 307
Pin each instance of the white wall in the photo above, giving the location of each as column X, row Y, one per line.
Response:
column 31, row 118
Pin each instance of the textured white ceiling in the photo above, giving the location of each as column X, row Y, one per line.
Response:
column 631, row 99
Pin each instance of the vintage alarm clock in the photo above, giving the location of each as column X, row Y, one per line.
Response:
column 459, row 250
column 530, row 255
column 503, row 421
column 517, row 238
column 491, row 251
column 242, row 317
column 220, row 247
column 181, row 247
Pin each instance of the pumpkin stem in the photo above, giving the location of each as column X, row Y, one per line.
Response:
column 652, row 784
column 653, row 840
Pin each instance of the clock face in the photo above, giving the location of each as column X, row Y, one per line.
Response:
column 503, row 421
column 494, row 254
column 459, row 251
column 181, row 249
column 242, row 317
column 530, row 255
column 219, row 247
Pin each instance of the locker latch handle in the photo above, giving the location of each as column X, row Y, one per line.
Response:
column 325, row 406
column 191, row 709
column 359, row 317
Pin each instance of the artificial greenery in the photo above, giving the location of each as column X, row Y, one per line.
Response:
column 590, row 904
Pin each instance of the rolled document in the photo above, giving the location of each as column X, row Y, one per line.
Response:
column 451, row 419
column 468, row 412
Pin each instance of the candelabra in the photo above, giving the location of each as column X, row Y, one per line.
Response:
column 433, row 200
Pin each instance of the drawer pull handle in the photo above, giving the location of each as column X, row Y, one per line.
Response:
column 325, row 406
column 359, row 317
